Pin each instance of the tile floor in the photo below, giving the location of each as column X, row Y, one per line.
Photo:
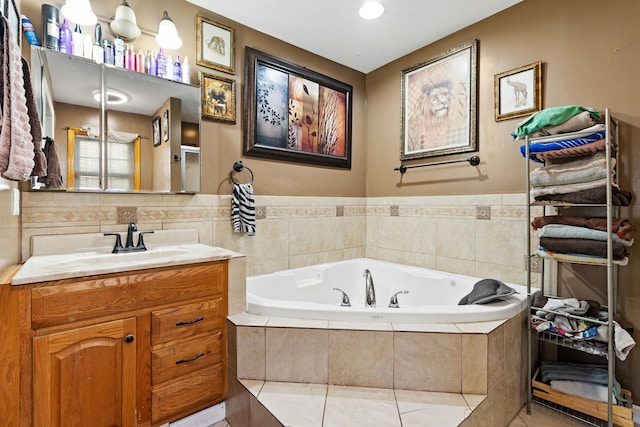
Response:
column 321, row 405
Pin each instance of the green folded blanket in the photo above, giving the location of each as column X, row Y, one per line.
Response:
column 550, row 116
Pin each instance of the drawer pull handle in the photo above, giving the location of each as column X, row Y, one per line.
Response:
column 196, row 357
column 190, row 322
column 129, row 338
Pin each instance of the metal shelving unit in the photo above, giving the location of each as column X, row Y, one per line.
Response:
column 601, row 349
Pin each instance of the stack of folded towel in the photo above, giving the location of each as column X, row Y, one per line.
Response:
column 583, row 236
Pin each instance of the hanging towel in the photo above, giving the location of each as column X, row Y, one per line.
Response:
column 40, row 167
column 16, row 142
column 53, row 179
column 243, row 211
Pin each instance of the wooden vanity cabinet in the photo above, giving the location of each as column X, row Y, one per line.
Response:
column 138, row 348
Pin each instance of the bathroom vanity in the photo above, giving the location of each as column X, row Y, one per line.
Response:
column 138, row 347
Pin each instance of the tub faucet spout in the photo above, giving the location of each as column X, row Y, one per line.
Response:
column 370, row 291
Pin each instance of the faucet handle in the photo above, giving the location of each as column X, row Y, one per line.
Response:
column 141, row 240
column 345, row 298
column 118, row 246
column 393, row 302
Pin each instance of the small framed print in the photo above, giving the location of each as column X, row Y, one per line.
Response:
column 215, row 45
column 155, row 125
column 218, row 98
column 165, row 126
column 518, row 92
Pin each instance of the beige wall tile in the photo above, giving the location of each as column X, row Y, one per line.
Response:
column 295, row 404
column 458, row 266
column 358, row 406
column 420, row 408
column 455, row 238
column 237, row 403
column 474, row 363
column 496, row 360
column 250, row 352
column 296, row 355
column 427, row 361
column 500, row 242
column 259, row 416
column 361, row 358
column 319, row 234
column 237, row 285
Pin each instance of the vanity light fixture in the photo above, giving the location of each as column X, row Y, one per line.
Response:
column 79, row 12
column 371, row 10
column 124, row 24
column 114, row 97
column 168, row 34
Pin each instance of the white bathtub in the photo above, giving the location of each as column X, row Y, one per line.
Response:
column 433, row 295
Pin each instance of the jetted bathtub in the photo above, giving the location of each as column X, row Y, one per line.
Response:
column 432, row 298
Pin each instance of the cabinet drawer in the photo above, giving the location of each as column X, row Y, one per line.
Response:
column 180, row 359
column 69, row 300
column 193, row 392
column 186, row 321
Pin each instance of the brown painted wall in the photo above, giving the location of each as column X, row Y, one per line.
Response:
column 590, row 52
column 222, row 143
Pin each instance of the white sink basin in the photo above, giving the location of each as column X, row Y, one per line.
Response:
column 52, row 267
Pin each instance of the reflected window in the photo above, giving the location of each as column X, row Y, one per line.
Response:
column 123, row 163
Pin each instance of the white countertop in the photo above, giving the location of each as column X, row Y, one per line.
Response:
column 163, row 250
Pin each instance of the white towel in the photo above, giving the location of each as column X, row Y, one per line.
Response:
column 243, row 211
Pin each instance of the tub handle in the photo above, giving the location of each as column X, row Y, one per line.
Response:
column 393, row 302
column 345, row 298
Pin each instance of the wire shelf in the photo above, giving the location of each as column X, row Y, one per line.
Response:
column 587, row 346
column 593, row 421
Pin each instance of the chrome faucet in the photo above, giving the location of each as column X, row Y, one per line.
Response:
column 128, row 247
column 370, row 291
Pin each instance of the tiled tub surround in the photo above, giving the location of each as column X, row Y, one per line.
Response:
column 438, row 232
column 304, row 372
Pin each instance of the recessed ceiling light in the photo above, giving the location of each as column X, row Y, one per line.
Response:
column 114, row 97
column 371, row 10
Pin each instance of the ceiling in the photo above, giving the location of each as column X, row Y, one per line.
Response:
column 334, row 30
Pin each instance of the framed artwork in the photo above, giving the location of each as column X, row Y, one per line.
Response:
column 439, row 111
column 215, row 45
column 294, row 114
column 165, row 125
column 218, row 98
column 518, row 92
column 155, row 127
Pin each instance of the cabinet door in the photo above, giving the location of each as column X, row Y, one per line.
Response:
column 86, row 376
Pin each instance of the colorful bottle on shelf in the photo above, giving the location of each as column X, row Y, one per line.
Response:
column 64, row 41
column 98, row 52
column 77, row 41
column 140, row 60
column 107, row 47
column 152, row 68
column 177, row 69
column 118, row 52
column 161, row 64
column 186, row 71
column 50, row 26
column 29, row 31
column 168, row 73
column 129, row 57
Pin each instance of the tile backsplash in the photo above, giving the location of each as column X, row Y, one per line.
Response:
column 439, row 232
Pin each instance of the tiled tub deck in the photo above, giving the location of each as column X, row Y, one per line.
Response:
column 298, row 372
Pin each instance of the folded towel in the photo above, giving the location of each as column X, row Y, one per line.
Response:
column 571, row 141
column 623, row 341
column 596, row 195
column 584, row 169
column 552, row 190
column 580, row 150
column 583, row 246
column 621, row 226
column 575, row 123
column 550, row 117
column 243, row 212
column 560, row 231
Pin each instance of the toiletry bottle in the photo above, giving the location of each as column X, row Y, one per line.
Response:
column 129, row 57
column 153, row 64
column 140, row 59
column 118, row 48
column 186, row 71
column 65, row 41
column 77, row 41
column 161, row 64
column 107, row 47
column 177, row 69
column 168, row 73
column 29, row 31
column 50, row 27
column 98, row 53
column 88, row 46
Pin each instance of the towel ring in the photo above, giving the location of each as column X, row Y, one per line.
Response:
column 238, row 167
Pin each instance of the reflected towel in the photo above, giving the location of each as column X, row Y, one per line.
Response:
column 243, row 211
column 53, row 179
column 40, row 167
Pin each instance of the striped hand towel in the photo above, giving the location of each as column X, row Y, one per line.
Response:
column 243, row 212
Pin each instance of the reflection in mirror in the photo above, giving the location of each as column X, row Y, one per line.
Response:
column 114, row 149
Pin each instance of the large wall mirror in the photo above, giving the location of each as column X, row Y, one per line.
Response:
column 144, row 136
